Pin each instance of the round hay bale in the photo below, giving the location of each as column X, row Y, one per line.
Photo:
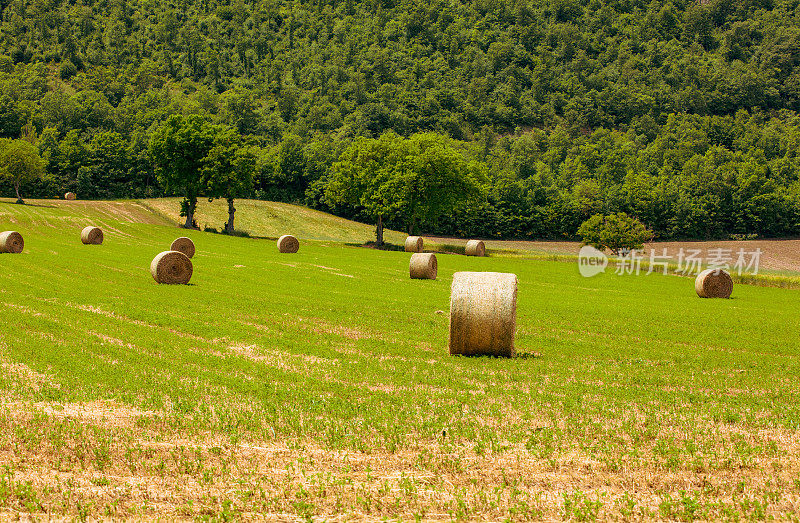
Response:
column 172, row 267
column 414, row 244
column 288, row 243
column 184, row 245
column 423, row 266
column 70, row 196
column 92, row 236
column 713, row 283
column 483, row 314
column 475, row 248
column 11, row 242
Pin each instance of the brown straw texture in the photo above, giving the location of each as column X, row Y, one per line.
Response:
column 70, row 196
column 483, row 314
column 475, row 248
column 92, row 236
column 171, row 267
column 288, row 243
column 11, row 242
column 184, row 245
column 423, row 266
column 414, row 244
column 713, row 283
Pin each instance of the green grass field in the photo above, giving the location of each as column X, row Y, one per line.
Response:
column 318, row 386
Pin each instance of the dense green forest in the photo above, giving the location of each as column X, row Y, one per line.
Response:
column 682, row 113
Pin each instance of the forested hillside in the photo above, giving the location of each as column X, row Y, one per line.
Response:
column 682, row 113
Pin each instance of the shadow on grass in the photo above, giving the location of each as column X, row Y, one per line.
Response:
column 528, row 356
column 517, row 356
column 372, row 245
column 237, row 234
column 29, row 205
column 445, row 248
column 436, row 248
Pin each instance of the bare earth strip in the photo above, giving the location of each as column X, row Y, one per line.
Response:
column 776, row 255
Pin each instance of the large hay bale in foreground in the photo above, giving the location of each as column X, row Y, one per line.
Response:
column 70, row 196
column 11, row 242
column 184, row 245
column 475, row 248
column 414, row 244
column 423, row 266
column 92, row 235
column 713, row 283
column 483, row 314
column 172, row 267
column 288, row 243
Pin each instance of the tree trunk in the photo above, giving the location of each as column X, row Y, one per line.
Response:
column 16, row 188
column 191, row 204
column 231, row 212
column 379, row 231
column 412, row 224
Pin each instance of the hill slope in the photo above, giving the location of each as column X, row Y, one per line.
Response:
column 363, row 67
column 273, row 219
column 257, row 218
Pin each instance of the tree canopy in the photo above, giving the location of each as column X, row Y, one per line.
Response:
column 406, row 180
column 228, row 171
column 369, row 175
column 20, row 163
column 617, row 232
column 179, row 150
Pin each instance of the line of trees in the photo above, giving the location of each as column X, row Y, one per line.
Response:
column 415, row 180
column 692, row 177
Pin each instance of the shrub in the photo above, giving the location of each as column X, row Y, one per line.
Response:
column 616, row 232
column 67, row 70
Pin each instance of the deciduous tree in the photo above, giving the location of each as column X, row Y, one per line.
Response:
column 409, row 180
column 617, row 232
column 20, row 163
column 228, row 171
column 178, row 150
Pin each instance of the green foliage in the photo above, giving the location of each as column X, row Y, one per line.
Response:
column 368, row 176
column 228, row 170
column 438, row 179
column 402, row 179
column 229, row 167
column 67, row 70
column 283, row 174
column 616, row 232
column 20, row 163
column 179, row 149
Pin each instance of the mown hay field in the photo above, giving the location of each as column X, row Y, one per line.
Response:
column 319, row 385
column 272, row 220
